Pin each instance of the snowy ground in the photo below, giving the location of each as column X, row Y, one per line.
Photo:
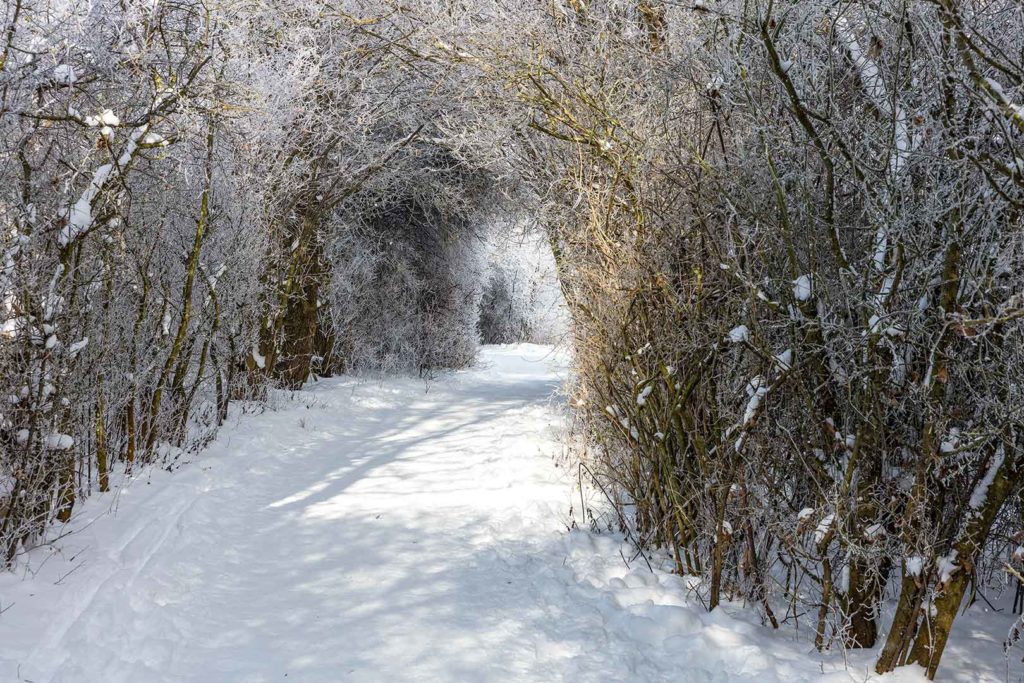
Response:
column 392, row 531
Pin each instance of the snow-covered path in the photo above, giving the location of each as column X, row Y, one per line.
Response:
column 368, row 531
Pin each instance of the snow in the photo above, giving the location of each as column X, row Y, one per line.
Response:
column 995, row 86
column 951, row 442
column 823, row 527
column 980, row 493
column 65, row 74
column 77, row 347
column 947, row 566
column 258, row 358
column 915, row 565
column 873, row 532
column 739, row 334
column 59, row 442
column 386, row 531
column 80, row 216
column 154, row 139
column 108, row 118
column 641, row 399
column 802, row 288
column 757, row 389
column 104, row 118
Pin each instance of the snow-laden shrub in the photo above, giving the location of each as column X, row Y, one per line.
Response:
column 171, row 177
column 521, row 299
column 789, row 237
column 128, row 263
column 393, row 309
column 407, row 267
column 504, row 317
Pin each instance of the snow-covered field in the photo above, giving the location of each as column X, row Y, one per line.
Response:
column 385, row 531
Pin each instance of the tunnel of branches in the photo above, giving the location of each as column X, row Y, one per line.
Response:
column 788, row 237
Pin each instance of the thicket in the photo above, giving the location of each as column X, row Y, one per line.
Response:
column 201, row 200
column 789, row 236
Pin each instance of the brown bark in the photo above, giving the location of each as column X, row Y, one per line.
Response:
column 933, row 634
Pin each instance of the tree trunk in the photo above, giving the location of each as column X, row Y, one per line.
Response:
column 933, row 634
column 102, row 457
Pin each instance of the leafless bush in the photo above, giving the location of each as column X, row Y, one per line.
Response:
column 788, row 234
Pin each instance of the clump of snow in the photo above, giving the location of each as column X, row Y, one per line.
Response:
column 823, row 527
column 947, row 566
column 59, row 442
column 77, row 347
column 168, row 451
column 739, row 334
column 80, row 216
column 914, row 565
column 154, row 139
column 757, row 388
column 980, row 493
column 951, row 442
column 65, row 74
column 802, row 287
column 641, row 399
